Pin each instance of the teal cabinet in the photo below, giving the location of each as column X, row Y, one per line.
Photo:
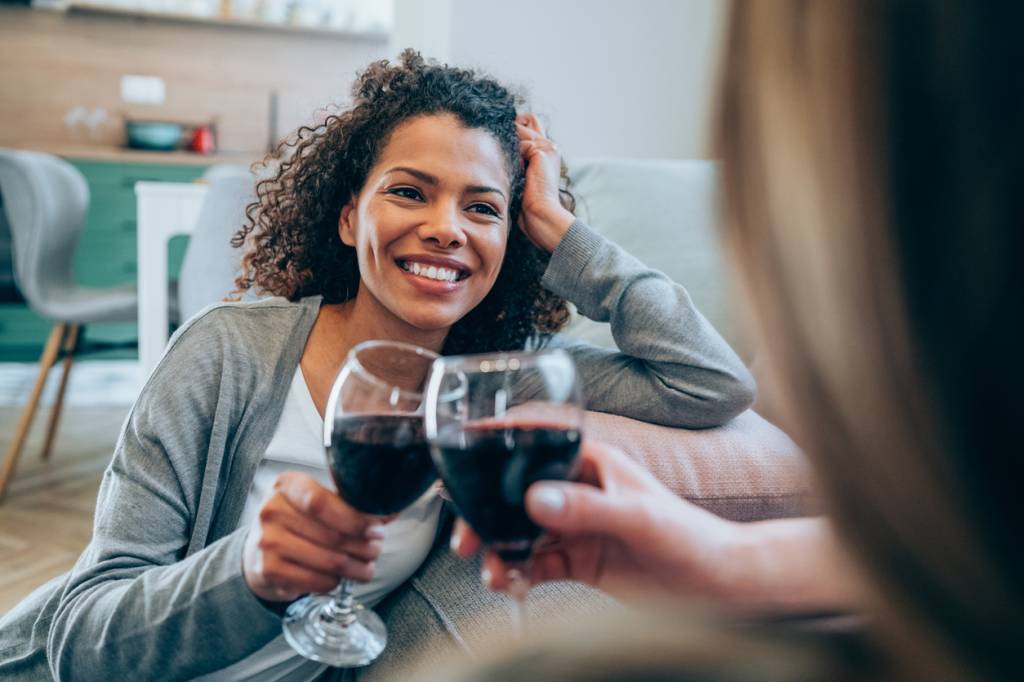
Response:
column 106, row 253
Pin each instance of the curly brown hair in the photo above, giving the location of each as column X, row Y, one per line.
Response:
column 291, row 234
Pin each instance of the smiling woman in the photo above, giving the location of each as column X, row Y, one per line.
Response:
column 421, row 147
column 429, row 212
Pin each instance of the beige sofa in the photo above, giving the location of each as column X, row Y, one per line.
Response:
column 664, row 213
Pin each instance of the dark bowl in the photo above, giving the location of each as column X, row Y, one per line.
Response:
column 154, row 135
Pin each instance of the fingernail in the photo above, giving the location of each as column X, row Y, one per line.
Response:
column 485, row 576
column 547, row 499
column 455, row 542
column 375, row 532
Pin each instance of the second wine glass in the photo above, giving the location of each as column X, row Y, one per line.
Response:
column 497, row 424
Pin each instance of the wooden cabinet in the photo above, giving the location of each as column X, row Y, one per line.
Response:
column 106, row 253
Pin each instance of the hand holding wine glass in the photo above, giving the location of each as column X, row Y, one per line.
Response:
column 378, row 457
column 305, row 539
column 619, row 529
column 496, row 424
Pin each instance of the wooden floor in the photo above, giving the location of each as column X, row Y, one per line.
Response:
column 46, row 519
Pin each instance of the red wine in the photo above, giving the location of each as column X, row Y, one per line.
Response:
column 380, row 463
column 487, row 469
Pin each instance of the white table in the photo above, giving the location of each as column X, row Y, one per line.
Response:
column 164, row 210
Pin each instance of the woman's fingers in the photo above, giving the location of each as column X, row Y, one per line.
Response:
column 305, row 538
column 358, row 548
column 595, row 506
column 546, row 566
column 317, row 534
column 528, row 148
column 530, row 129
column 610, row 468
column 532, row 145
column 311, row 499
column 569, row 507
column 494, row 572
column 284, row 581
column 279, row 512
column 300, row 551
column 528, row 134
column 531, row 121
column 465, row 542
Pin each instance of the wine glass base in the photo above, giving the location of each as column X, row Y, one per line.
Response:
column 317, row 637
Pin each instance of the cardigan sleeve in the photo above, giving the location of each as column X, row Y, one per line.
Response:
column 672, row 367
column 135, row 600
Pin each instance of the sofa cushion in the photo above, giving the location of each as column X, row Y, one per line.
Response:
column 664, row 213
column 746, row 470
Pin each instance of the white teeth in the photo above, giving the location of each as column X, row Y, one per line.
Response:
column 432, row 272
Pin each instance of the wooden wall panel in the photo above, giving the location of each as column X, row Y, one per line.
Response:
column 51, row 62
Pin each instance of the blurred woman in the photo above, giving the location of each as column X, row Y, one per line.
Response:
column 873, row 161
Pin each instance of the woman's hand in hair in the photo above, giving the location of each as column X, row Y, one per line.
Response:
column 618, row 529
column 544, row 220
column 305, row 539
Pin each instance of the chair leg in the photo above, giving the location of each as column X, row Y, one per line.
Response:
column 46, row 361
column 70, row 342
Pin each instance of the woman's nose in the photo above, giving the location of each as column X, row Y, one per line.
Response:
column 443, row 229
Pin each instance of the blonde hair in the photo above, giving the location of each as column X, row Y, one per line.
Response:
column 837, row 118
column 873, row 164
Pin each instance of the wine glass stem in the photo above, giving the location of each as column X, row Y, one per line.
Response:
column 340, row 609
column 518, row 587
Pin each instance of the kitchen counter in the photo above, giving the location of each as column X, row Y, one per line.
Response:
column 125, row 155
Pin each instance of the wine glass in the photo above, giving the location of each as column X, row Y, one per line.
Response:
column 496, row 424
column 380, row 463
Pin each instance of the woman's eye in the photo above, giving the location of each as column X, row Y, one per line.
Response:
column 406, row 192
column 486, row 209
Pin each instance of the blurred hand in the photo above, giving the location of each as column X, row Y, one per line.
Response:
column 305, row 539
column 544, row 220
column 618, row 529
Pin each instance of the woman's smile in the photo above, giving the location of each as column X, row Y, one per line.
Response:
column 434, row 275
column 435, row 267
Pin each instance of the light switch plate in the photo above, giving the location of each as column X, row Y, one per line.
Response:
column 142, row 90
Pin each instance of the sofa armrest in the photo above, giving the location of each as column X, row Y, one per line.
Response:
column 746, row 470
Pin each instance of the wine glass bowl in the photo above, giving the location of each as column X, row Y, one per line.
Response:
column 378, row 462
column 488, row 467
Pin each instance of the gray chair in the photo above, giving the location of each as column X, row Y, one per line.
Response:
column 211, row 264
column 46, row 200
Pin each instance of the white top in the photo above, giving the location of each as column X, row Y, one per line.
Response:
column 297, row 445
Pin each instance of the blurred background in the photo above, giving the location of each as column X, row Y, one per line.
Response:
column 169, row 91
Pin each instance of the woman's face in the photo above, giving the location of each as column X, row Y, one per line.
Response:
column 430, row 224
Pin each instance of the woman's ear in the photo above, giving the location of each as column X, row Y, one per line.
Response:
column 346, row 223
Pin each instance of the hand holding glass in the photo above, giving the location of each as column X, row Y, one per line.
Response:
column 497, row 424
column 378, row 458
